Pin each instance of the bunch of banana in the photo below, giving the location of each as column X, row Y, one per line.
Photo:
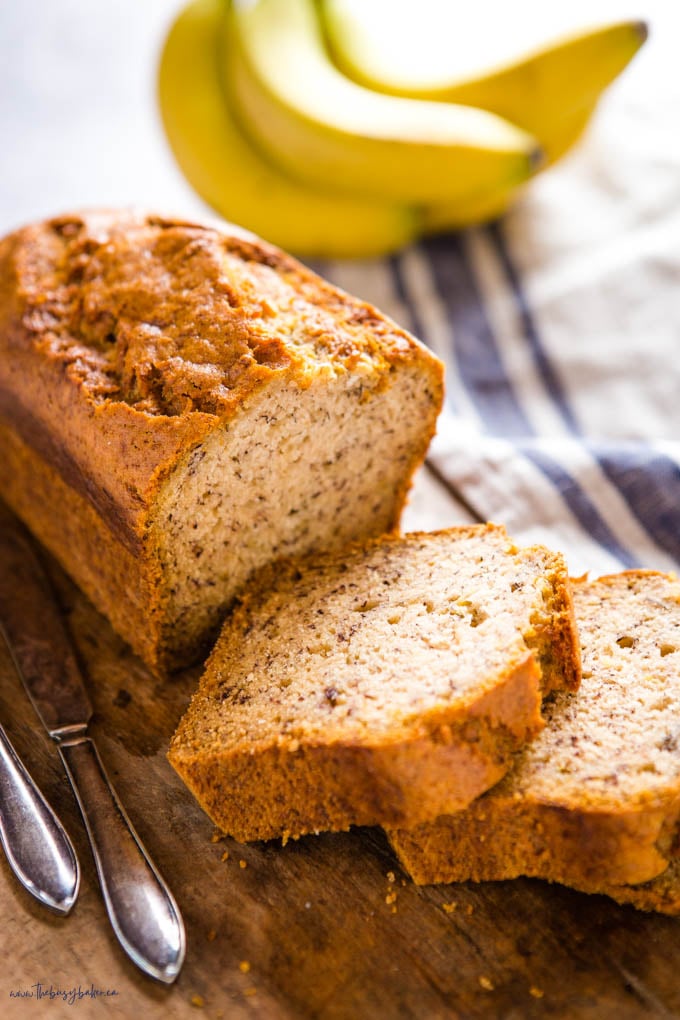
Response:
column 359, row 158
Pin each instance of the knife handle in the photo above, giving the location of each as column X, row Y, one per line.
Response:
column 36, row 844
column 141, row 908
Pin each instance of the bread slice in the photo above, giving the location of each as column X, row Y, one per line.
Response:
column 384, row 685
column 594, row 801
column 181, row 404
column 661, row 894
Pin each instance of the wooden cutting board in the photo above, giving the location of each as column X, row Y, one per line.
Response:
column 325, row 927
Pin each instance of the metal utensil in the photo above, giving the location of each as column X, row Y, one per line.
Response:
column 141, row 908
column 35, row 842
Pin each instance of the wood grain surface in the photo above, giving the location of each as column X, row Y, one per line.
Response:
column 325, row 927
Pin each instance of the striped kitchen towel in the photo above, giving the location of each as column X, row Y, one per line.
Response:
column 560, row 331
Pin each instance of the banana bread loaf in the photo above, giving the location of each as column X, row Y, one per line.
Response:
column 179, row 405
column 594, row 801
column 388, row 683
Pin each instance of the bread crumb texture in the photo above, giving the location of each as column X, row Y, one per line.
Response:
column 594, row 800
column 391, row 681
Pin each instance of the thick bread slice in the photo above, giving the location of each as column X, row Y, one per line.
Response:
column 594, row 801
column 384, row 685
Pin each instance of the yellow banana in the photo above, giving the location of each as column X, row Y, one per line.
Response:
column 552, row 83
column 489, row 206
column 324, row 129
column 232, row 176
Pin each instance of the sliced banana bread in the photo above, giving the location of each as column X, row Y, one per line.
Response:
column 181, row 404
column 383, row 685
column 594, row 801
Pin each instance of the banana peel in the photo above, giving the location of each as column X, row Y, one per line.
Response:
column 540, row 89
column 231, row 175
column 320, row 127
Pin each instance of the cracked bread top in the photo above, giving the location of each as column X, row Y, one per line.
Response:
column 127, row 338
column 172, row 317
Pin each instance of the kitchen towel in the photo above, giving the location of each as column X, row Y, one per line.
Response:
column 560, row 330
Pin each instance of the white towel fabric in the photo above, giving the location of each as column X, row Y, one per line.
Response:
column 560, row 331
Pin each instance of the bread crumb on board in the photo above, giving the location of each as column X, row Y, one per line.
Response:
column 537, row 993
column 449, row 908
column 244, row 966
column 243, row 864
column 225, row 856
column 198, row 1001
column 486, row 983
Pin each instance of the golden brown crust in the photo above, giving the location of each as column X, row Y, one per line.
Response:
column 503, row 837
column 171, row 317
column 554, row 634
column 661, row 894
column 455, row 754
column 110, row 575
column 127, row 339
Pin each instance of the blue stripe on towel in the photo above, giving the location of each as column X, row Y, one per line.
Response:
column 479, row 361
column 650, row 484
column 580, row 505
column 476, row 350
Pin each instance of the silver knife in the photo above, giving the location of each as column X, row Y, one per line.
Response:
column 141, row 908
